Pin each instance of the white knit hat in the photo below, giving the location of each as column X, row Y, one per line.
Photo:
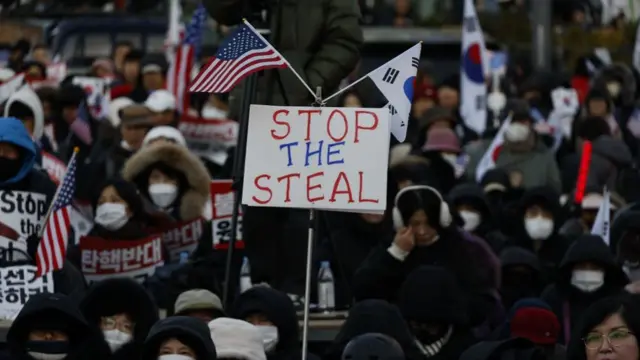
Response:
column 167, row 132
column 236, row 339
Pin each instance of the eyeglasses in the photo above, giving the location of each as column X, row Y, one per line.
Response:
column 616, row 338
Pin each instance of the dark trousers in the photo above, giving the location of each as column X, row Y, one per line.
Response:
column 276, row 245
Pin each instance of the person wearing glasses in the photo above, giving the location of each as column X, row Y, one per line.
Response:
column 608, row 331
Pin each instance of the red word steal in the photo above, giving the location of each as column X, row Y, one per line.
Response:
column 338, row 128
column 342, row 186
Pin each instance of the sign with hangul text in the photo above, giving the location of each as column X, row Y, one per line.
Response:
column 320, row 158
column 54, row 167
column 22, row 214
column 103, row 259
column 97, row 94
column 222, row 200
column 183, row 237
column 209, row 138
column 17, row 285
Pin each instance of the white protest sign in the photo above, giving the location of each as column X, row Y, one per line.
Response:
column 209, row 138
column 17, row 284
column 21, row 215
column 320, row 158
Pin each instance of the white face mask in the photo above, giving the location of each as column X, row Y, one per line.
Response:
column 587, row 280
column 111, row 216
column 175, row 357
column 517, row 132
column 613, row 88
column 116, row 338
column 163, row 195
column 471, row 220
column 269, row 336
column 43, row 356
column 538, row 228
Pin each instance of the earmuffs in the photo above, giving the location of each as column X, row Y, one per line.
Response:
column 445, row 218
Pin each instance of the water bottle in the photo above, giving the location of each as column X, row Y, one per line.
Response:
column 245, row 275
column 326, row 288
column 184, row 257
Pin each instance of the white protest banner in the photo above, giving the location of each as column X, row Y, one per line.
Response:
column 56, row 72
column 222, row 199
column 182, row 237
column 320, row 158
column 54, row 167
column 97, row 94
column 17, row 284
column 209, row 138
column 103, row 259
column 21, row 214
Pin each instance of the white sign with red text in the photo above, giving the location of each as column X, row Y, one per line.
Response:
column 107, row 258
column 209, row 138
column 222, row 200
column 320, row 158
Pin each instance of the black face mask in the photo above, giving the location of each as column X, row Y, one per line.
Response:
column 42, row 350
column 9, row 168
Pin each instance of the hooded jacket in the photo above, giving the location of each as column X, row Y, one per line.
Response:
column 551, row 250
column 85, row 342
column 278, row 308
column 190, row 331
column 627, row 219
column 516, row 284
column 374, row 316
column 121, row 295
column 194, row 197
column 443, row 304
column 29, row 98
column 569, row 303
column 472, row 194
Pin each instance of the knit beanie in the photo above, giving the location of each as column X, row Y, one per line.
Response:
column 236, row 339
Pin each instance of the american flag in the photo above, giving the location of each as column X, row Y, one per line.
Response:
column 241, row 54
column 53, row 245
column 179, row 74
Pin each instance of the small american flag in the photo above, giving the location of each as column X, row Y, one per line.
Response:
column 179, row 73
column 53, row 245
column 241, row 54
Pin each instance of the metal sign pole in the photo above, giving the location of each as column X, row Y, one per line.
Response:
column 248, row 95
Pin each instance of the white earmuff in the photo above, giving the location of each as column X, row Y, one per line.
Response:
column 445, row 214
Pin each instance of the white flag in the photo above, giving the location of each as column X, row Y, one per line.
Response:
column 396, row 79
column 602, row 224
column 473, row 89
column 487, row 162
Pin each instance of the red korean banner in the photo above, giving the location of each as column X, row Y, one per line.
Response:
column 53, row 166
column 222, row 197
column 102, row 258
column 209, row 138
column 183, row 237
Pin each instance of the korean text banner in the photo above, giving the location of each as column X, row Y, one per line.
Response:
column 222, row 199
column 209, row 138
column 182, row 237
column 103, row 259
column 17, row 284
column 320, row 158
column 22, row 214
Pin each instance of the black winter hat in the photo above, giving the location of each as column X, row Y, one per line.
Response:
column 430, row 294
column 373, row 346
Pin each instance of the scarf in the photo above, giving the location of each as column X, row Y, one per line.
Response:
column 430, row 350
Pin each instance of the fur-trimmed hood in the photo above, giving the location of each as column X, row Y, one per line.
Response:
column 193, row 200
